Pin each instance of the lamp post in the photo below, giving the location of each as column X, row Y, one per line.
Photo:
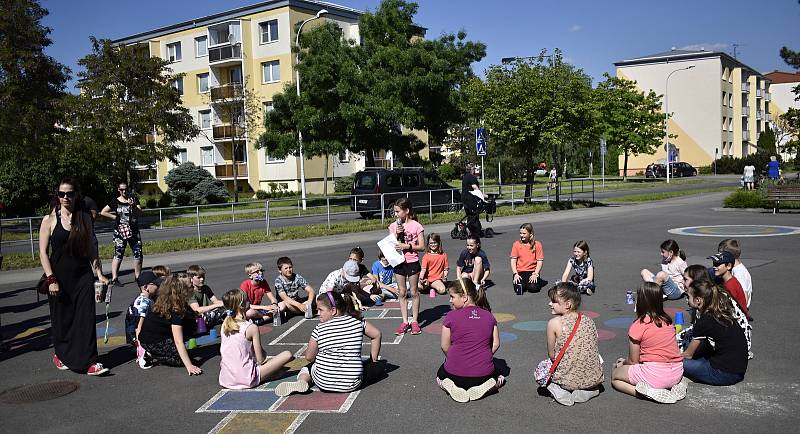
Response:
column 297, row 81
column 666, row 114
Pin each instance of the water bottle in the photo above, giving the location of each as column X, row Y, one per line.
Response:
column 309, row 312
column 276, row 318
column 98, row 291
column 629, row 297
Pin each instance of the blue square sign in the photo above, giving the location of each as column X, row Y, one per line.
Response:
column 480, row 141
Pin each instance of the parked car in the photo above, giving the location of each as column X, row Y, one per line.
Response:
column 424, row 188
column 678, row 169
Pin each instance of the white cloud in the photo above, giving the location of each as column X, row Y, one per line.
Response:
column 709, row 46
column 576, row 28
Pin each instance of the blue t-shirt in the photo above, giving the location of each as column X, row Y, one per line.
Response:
column 385, row 274
column 467, row 262
column 774, row 168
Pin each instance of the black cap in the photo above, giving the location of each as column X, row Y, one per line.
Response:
column 146, row 277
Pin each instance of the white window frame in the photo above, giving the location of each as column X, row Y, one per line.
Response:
column 178, row 85
column 183, row 156
column 268, row 107
column 200, row 80
column 197, row 40
column 200, row 114
column 271, row 78
column 272, row 160
column 268, row 26
column 203, row 151
column 178, row 55
column 346, row 155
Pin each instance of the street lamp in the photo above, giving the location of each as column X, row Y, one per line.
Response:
column 297, row 81
column 666, row 113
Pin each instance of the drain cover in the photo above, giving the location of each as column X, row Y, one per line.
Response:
column 38, row 392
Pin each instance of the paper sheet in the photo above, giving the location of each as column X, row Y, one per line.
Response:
column 388, row 247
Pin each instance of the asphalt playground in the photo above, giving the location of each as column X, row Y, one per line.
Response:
column 623, row 239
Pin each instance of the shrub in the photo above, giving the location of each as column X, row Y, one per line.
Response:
column 343, row 184
column 262, row 195
column 705, row 170
column 744, row 199
column 165, row 200
column 151, row 202
column 210, row 190
column 736, row 165
column 448, row 172
column 190, row 184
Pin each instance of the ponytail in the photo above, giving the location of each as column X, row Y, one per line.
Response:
column 716, row 302
column 230, row 326
column 466, row 287
column 235, row 301
column 345, row 303
column 405, row 204
column 672, row 246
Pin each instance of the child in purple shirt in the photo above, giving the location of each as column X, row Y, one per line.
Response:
column 469, row 340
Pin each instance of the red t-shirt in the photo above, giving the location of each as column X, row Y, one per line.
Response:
column 736, row 291
column 255, row 291
column 435, row 264
column 656, row 344
column 526, row 260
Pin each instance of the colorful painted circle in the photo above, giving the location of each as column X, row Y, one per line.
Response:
column 605, row 335
column 738, row 231
column 507, row 337
column 504, row 317
column 531, row 326
column 619, row 323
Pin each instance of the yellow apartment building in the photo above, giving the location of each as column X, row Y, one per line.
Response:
column 719, row 105
column 223, row 56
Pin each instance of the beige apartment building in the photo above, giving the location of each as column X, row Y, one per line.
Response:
column 781, row 85
column 719, row 105
column 224, row 56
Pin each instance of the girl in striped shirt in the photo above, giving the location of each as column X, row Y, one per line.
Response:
column 334, row 350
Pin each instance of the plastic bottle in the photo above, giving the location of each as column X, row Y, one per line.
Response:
column 629, row 297
column 276, row 318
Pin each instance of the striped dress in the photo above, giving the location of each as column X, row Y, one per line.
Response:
column 338, row 366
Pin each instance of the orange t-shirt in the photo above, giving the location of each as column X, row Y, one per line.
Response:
column 526, row 260
column 436, row 264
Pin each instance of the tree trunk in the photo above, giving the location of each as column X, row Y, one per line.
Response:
column 529, row 176
column 625, row 168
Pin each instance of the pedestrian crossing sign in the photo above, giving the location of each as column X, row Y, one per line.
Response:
column 480, row 141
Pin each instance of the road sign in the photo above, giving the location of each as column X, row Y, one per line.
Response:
column 480, row 141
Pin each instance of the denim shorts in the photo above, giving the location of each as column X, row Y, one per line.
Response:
column 701, row 371
column 671, row 290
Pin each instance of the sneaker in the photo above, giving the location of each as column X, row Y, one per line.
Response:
column 680, row 390
column 115, row 282
column 663, row 396
column 59, row 365
column 458, row 394
column 378, row 302
column 560, row 395
column 146, row 361
column 401, row 330
column 477, row 392
column 289, row 387
column 96, row 369
column 579, row 395
column 415, row 330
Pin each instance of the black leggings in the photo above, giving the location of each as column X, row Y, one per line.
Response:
column 164, row 352
column 527, row 286
column 465, row 382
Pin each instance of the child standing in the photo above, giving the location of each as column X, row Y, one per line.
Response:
column 717, row 354
column 410, row 236
column 256, row 287
column 670, row 278
column 203, row 301
column 473, row 264
column 163, row 329
column 293, row 290
column 581, row 263
column 654, row 363
column 580, row 372
column 434, row 267
column 527, row 259
column 334, row 349
column 137, row 311
column 723, row 264
column 470, row 338
column 739, row 271
column 243, row 365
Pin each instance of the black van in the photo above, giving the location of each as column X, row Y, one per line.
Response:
column 424, row 188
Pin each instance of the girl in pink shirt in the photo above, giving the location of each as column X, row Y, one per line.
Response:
column 654, row 363
column 410, row 240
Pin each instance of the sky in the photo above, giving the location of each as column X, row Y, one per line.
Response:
column 591, row 34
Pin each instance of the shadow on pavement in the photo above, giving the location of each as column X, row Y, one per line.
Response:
column 39, row 340
column 429, row 316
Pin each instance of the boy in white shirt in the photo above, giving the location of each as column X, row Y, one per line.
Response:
column 739, row 271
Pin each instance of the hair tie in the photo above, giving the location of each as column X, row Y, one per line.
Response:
column 330, row 297
column 228, row 312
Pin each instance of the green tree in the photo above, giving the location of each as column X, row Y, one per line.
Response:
column 128, row 112
column 791, row 119
column 766, row 142
column 629, row 119
column 189, row 184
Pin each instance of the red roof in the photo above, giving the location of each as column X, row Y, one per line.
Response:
column 778, row 77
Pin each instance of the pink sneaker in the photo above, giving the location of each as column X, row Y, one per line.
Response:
column 60, row 366
column 415, row 330
column 96, row 369
column 401, row 330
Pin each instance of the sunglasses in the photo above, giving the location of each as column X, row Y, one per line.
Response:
column 123, row 189
column 69, row 194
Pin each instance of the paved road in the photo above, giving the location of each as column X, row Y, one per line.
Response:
column 104, row 236
column 623, row 240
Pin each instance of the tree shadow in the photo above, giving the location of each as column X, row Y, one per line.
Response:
column 429, row 316
column 17, row 308
column 38, row 340
column 14, row 292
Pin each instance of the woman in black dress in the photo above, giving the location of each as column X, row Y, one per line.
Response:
column 68, row 231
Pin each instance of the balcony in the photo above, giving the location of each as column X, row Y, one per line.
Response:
column 146, row 175
column 225, row 54
column 758, row 115
column 745, row 87
column 227, row 91
column 227, row 132
column 224, row 171
column 769, row 117
column 745, row 111
column 745, row 136
column 759, row 93
column 145, row 139
column 767, row 96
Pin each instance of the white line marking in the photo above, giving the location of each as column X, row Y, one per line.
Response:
column 296, row 423
column 349, row 401
column 225, row 420
column 284, row 334
column 211, row 401
column 301, row 351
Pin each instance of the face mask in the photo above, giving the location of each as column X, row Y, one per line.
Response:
column 258, row 278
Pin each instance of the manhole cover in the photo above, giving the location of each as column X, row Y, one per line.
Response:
column 38, row 392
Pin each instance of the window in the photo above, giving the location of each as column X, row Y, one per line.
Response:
column 393, row 180
column 174, row 52
column 271, row 159
column 410, row 180
column 201, row 46
column 236, row 75
column 202, row 83
column 344, row 156
column 183, row 155
column 268, row 107
column 205, row 119
column 269, row 31
column 178, row 85
column 207, row 154
column 431, row 181
column 271, row 71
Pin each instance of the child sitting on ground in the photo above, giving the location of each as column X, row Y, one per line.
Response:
column 203, row 302
column 717, row 354
column 723, row 264
column 357, row 254
column 434, row 267
column 470, row 338
column 579, row 373
column 654, row 364
column 527, row 259
column 334, row 349
column 256, row 287
column 473, row 264
column 293, row 290
column 243, row 365
column 383, row 275
column 739, row 271
column 162, row 332
column 581, row 263
column 161, row 270
column 139, row 309
column 670, row 278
